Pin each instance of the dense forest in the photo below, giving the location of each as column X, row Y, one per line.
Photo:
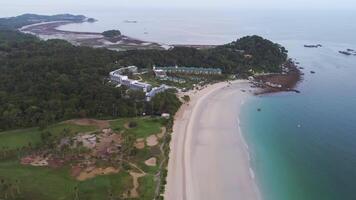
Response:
column 42, row 82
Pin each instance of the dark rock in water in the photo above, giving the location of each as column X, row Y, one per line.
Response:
column 131, row 21
column 297, row 63
column 91, row 20
column 345, row 53
column 312, row 72
column 301, row 67
column 259, row 109
column 312, row 46
column 297, row 91
column 350, row 50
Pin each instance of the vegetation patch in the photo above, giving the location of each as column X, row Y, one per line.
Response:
column 72, row 161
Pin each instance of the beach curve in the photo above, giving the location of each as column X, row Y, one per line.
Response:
column 209, row 158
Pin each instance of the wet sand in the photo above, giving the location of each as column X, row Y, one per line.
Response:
column 209, row 158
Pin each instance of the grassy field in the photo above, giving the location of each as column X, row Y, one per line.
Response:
column 22, row 137
column 145, row 126
column 44, row 183
column 57, row 184
column 146, row 188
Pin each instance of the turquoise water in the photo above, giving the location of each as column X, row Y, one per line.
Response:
column 304, row 145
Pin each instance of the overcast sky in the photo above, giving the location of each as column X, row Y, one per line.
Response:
column 11, row 7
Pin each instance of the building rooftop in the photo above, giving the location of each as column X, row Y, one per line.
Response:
column 202, row 69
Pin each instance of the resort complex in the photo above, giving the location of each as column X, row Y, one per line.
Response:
column 160, row 71
column 118, row 78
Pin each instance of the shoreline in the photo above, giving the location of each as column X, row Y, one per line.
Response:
column 203, row 159
column 51, row 30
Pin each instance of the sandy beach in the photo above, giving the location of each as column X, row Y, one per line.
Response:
column 209, row 158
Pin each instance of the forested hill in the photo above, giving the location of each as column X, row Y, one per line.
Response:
column 251, row 52
column 42, row 82
column 12, row 23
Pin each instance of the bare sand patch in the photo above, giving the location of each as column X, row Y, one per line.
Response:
column 152, row 140
column 108, row 143
column 37, row 161
column 102, row 124
column 140, row 143
column 93, row 172
column 151, row 162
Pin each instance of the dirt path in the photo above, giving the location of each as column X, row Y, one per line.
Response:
column 163, row 131
column 135, row 177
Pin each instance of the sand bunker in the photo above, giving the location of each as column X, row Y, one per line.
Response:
column 152, row 140
column 151, row 162
column 93, row 172
column 140, row 143
column 102, row 124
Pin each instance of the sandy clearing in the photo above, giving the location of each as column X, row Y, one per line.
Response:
column 91, row 173
column 102, row 124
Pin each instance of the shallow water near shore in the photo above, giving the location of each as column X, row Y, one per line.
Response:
column 302, row 146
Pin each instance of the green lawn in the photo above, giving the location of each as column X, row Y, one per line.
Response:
column 147, row 187
column 146, row 126
column 57, row 184
column 22, row 137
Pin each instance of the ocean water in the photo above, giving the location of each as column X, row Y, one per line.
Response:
column 303, row 146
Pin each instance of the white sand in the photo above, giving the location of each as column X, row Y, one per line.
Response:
column 209, row 159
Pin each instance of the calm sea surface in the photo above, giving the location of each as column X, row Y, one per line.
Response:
column 303, row 146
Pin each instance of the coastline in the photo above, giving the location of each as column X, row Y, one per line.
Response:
column 51, row 30
column 205, row 162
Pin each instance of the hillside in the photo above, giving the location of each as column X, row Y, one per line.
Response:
column 13, row 23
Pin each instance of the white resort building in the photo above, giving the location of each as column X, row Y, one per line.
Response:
column 120, row 79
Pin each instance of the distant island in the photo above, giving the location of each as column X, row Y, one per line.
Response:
column 313, row 46
column 131, row 21
column 111, row 33
column 348, row 52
